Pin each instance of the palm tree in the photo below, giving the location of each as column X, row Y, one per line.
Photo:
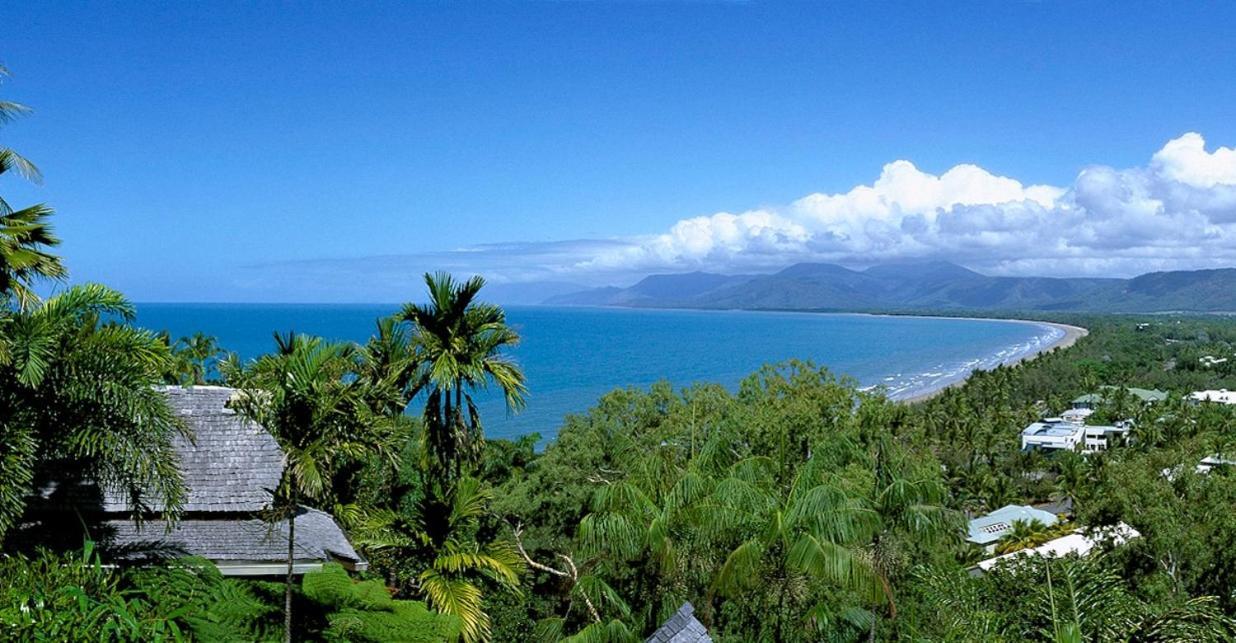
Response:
column 9, row 159
column 814, row 531
column 78, row 395
column 450, row 347
column 193, row 356
column 459, row 345
column 307, row 396
column 1065, row 600
column 386, row 366
column 458, row 565
column 1024, row 535
column 1072, row 477
column 25, row 234
column 910, row 505
column 787, row 538
column 659, row 518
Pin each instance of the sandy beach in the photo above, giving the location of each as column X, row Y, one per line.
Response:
column 1070, row 337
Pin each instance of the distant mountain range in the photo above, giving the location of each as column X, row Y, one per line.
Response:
column 930, row 285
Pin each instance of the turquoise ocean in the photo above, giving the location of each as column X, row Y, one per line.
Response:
column 572, row 356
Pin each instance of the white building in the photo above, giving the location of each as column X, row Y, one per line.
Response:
column 1212, row 462
column 1071, row 432
column 1204, row 466
column 1078, row 542
column 1221, row 396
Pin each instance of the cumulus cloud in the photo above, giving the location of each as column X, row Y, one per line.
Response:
column 1186, row 160
column 1178, row 211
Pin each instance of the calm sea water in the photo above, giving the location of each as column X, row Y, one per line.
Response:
column 572, row 356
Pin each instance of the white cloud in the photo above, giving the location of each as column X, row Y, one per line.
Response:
column 1179, row 211
column 1186, row 160
column 1176, row 212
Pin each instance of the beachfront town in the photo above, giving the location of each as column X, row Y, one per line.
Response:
column 1044, row 529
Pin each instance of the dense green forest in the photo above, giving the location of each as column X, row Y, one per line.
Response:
column 795, row 508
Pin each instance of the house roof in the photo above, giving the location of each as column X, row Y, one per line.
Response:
column 1222, row 396
column 992, row 527
column 229, row 463
column 1148, row 395
column 1143, row 394
column 231, row 542
column 230, row 466
column 682, row 627
column 1062, row 507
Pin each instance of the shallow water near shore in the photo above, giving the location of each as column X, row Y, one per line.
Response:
column 572, row 356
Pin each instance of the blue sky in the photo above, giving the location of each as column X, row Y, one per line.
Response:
column 331, row 152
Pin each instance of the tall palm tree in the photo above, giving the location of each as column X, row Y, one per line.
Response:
column 1073, row 475
column 25, row 235
column 444, row 350
column 912, row 515
column 78, row 395
column 460, row 344
column 307, row 396
column 814, row 531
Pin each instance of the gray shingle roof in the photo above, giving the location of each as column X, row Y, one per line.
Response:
column 318, row 539
column 230, row 467
column 231, row 464
column 682, row 627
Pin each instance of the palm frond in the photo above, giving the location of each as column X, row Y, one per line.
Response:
column 458, row 598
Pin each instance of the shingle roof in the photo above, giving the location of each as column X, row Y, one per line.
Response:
column 318, row 539
column 230, row 467
column 231, row 464
column 682, row 627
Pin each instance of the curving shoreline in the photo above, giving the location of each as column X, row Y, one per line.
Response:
column 1069, row 337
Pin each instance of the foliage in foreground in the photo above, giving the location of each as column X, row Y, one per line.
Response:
column 52, row 596
column 77, row 395
column 1068, row 599
column 364, row 611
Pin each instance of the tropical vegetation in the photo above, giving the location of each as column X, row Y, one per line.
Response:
column 794, row 508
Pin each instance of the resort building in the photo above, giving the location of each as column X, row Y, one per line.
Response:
column 1093, row 400
column 1204, row 466
column 231, row 467
column 1212, row 462
column 1221, row 396
column 1079, row 542
column 1071, row 433
column 985, row 531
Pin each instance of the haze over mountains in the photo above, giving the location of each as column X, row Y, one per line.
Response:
column 930, row 285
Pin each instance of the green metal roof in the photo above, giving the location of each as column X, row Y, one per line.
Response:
column 1143, row 394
